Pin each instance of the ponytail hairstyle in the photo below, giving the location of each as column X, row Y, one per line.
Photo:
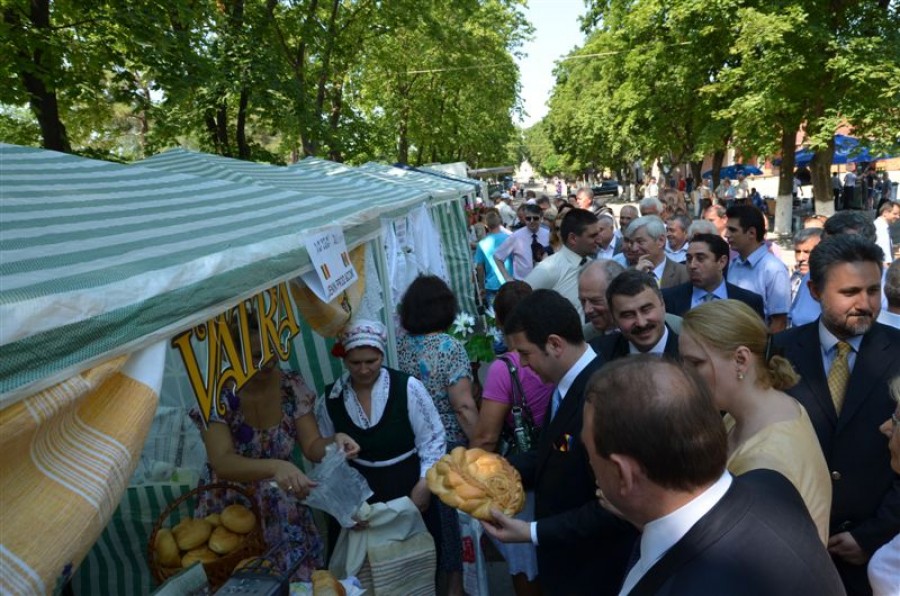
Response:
column 726, row 325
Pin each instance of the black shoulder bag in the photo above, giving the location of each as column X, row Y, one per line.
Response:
column 523, row 435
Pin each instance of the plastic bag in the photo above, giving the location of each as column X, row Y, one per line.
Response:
column 341, row 491
column 475, row 580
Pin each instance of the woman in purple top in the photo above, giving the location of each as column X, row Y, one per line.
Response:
column 497, row 394
column 495, row 413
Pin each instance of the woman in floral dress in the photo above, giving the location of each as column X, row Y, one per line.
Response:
column 252, row 444
column 428, row 353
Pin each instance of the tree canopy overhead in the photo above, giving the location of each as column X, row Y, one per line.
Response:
column 412, row 81
column 676, row 80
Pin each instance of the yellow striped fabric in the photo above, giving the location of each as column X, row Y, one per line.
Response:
column 69, row 452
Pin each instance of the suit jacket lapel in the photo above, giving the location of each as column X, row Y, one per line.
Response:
column 671, row 347
column 668, row 271
column 867, row 371
column 570, row 407
column 706, row 532
column 812, row 372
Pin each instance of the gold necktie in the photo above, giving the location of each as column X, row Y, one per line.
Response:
column 839, row 375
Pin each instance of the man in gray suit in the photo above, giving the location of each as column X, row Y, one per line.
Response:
column 647, row 236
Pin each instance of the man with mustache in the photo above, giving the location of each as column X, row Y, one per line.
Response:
column 845, row 360
column 638, row 310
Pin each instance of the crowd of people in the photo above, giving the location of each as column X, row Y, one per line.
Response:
column 704, row 420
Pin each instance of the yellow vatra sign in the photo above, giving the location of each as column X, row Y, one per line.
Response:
column 229, row 358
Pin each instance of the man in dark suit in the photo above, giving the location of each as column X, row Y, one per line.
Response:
column 638, row 310
column 707, row 261
column 845, row 360
column 647, row 237
column 581, row 548
column 658, row 449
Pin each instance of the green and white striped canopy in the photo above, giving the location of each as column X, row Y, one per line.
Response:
column 99, row 259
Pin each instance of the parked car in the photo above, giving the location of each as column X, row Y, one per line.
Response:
column 608, row 188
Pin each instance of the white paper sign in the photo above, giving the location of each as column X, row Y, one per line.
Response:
column 332, row 270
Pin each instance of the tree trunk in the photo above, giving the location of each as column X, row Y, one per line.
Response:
column 222, row 129
column 697, row 172
column 820, row 170
column 718, row 158
column 240, row 133
column 337, row 105
column 784, row 203
column 36, row 75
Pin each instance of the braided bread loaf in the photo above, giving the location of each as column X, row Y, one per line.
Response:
column 474, row 481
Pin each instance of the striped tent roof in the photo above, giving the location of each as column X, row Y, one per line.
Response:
column 436, row 187
column 98, row 258
column 376, row 195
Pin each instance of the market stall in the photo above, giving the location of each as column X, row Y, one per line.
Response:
column 102, row 265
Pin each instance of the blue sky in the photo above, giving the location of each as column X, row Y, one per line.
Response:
column 556, row 32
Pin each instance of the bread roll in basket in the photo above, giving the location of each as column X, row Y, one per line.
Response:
column 474, row 481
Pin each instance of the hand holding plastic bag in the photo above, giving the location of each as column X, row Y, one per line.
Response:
column 341, row 490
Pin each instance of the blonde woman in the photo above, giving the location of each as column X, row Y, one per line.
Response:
column 729, row 346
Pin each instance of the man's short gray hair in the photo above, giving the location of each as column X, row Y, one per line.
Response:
column 683, row 220
column 701, row 226
column 805, row 234
column 585, row 190
column 651, row 203
column 655, row 227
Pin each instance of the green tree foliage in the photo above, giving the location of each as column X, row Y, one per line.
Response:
column 675, row 80
column 542, row 155
column 403, row 80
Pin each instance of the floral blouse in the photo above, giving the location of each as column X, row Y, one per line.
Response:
column 439, row 361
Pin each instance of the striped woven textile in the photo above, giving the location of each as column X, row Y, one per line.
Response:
column 117, row 564
column 68, row 454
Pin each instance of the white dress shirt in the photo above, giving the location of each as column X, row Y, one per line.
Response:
column 662, row 534
column 889, row 318
column 565, row 383
column 559, row 272
column 519, row 246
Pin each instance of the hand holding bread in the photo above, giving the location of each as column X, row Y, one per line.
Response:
column 474, row 481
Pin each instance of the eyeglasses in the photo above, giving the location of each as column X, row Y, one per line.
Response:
column 895, row 421
column 532, row 218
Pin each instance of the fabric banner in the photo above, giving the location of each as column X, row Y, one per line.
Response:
column 69, row 452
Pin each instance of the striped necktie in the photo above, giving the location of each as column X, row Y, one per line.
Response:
column 554, row 404
column 839, row 375
column 709, row 297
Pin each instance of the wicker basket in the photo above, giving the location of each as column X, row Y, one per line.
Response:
column 218, row 571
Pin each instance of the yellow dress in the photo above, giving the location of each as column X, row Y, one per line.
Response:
column 790, row 448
